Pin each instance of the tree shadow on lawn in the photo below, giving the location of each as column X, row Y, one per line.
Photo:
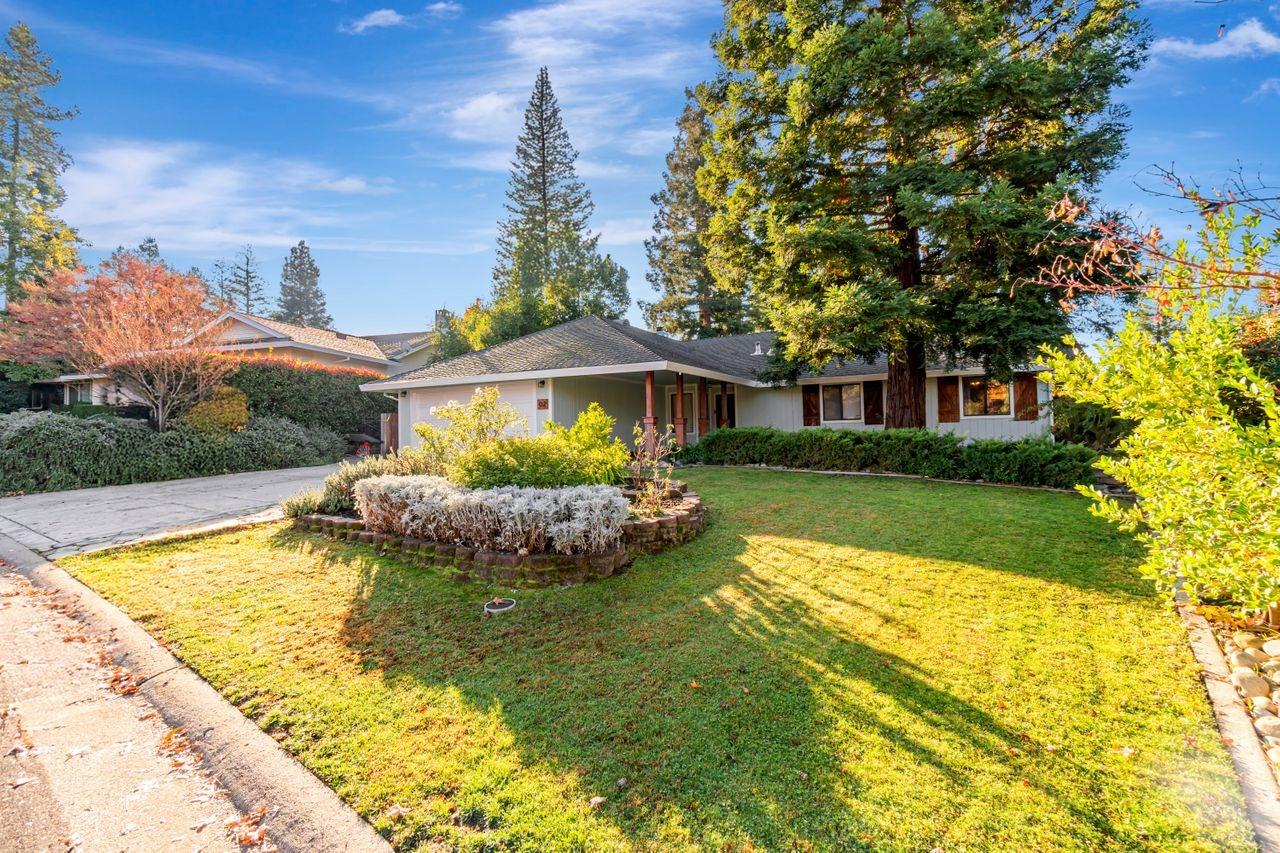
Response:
column 745, row 692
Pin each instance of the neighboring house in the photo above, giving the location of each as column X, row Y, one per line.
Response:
column 641, row 377
column 238, row 332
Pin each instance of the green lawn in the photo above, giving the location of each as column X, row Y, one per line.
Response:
column 836, row 663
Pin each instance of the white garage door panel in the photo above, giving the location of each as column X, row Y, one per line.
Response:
column 422, row 400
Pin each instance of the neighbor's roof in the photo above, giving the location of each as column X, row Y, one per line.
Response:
column 327, row 338
column 396, row 344
column 591, row 342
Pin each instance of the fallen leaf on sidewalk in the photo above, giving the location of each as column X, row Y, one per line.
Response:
column 76, row 752
column 202, row 824
column 18, row 783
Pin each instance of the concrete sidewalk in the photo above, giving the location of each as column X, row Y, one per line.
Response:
column 85, row 762
column 56, row 524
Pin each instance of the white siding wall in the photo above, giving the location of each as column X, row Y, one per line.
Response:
column 622, row 399
column 772, row 407
column 415, row 407
column 782, row 408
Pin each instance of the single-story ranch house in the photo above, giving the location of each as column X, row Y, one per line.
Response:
column 249, row 334
column 641, row 377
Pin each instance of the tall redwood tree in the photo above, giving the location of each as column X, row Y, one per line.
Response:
column 881, row 170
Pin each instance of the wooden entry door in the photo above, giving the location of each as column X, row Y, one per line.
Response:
column 716, row 413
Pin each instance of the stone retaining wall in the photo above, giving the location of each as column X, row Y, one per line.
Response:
column 640, row 536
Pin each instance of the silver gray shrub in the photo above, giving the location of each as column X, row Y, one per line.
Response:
column 570, row 520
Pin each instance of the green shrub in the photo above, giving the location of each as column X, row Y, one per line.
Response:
column 310, row 394
column 306, row 502
column 226, row 410
column 921, row 452
column 45, row 451
column 584, row 454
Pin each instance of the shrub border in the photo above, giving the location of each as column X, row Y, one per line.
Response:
column 894, row 474
column 524, row 571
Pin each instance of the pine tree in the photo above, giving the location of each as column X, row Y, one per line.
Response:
column 689, row 304
column 882, row 172
column 149, row 250
column 301, row 299
column 245, row 288
column 548, row 268
column 31, row 162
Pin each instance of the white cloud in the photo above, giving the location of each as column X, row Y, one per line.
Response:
column 194, row 198
column 1249, row 39
column 444, row 9
column 383, row 18
column 486, row 117
column 376, row 19
column 628, row 231
column 1270, row 86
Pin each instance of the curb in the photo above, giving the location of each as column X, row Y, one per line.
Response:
column 303, row 814
column 1261, row 793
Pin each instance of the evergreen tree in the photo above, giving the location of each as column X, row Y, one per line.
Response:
column 217, row 293
column 689, row 304
column 149, row 250
column 244, row 288
column 301, row 299
column 549, row 268
column 882, row 172
column 31, row 162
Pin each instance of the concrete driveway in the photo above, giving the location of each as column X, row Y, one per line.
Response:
column 56, row 524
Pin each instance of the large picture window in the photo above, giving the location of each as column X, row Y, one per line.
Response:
column 985, row 397
column 842, row 402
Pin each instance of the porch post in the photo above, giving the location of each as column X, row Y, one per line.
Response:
column 679, row 413
column 650, row 420
column 724, row 405
column 704, row 408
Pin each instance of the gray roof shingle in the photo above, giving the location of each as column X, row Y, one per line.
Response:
column 596, row 342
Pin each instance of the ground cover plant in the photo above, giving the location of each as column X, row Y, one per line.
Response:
column 835, row 663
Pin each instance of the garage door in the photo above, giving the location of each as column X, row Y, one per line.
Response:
column 520, row 395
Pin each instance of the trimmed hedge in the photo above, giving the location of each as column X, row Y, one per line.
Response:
column 46, row 451
column 310, row 394
column 925, row 453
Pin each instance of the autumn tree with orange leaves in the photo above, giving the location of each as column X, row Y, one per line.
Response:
column 141, row 323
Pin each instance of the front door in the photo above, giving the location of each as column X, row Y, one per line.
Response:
column 719, row 415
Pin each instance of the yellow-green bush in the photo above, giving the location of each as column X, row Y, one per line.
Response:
column 584, row 454
column 226, row 411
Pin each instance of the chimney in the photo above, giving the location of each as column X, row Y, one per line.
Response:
column 443, row 318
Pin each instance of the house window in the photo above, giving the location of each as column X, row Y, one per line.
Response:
column 984, row 397
column 842, row 402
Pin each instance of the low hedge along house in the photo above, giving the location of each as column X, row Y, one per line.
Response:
column 641, row 377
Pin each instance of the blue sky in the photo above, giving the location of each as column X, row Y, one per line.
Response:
column 381, row 133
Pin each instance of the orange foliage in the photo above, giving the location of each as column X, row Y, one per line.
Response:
column 140, row 322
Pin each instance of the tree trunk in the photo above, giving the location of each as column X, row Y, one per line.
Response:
column 905, row 382
column 904, row 391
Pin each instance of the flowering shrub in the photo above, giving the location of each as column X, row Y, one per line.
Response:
column 575, row 520
column 482, row 420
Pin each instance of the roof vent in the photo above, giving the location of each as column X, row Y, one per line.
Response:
column 624, row 321
column 759, row 350
column 341, row 335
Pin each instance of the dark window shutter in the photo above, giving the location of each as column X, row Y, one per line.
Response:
column 811, row 404
column 1026, row 399
column 948, row 399
column 873, row 402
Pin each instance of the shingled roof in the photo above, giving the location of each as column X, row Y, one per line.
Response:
column 596, row 342
column 322, row 338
